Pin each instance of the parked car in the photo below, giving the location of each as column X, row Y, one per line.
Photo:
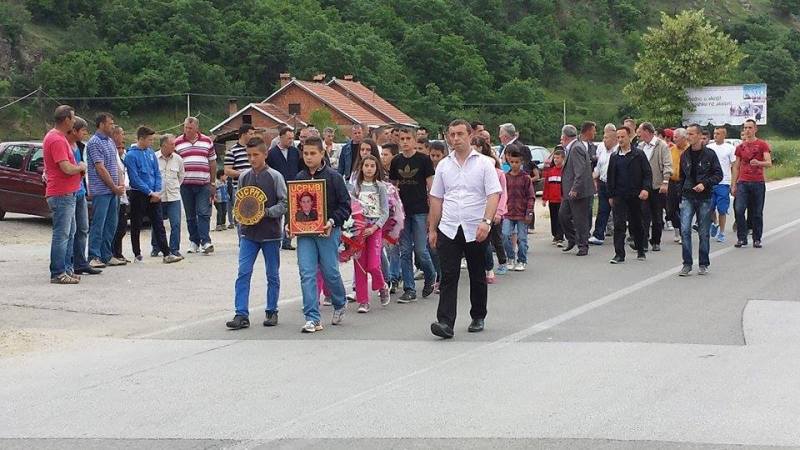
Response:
column 21, row 187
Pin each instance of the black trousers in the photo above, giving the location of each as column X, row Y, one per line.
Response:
column 496, row 240
column 555, row 223
column 627, row 213
column 575, row 220
column 653, row 215
column 142, row 206
column 222, row 211
column 122, row 229
column 450, row 252
column 674, row 204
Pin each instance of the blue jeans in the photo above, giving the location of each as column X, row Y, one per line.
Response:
column 603, row 212
column 105, row 209
column 702, row 209
column 749, row 198
column 248, row 252
column 317, row 252
column 63, row 209
column 521, row 229
column 414, row 241
column 172, row 211
column 393, row 253
column 79, row 261
column 197, row 204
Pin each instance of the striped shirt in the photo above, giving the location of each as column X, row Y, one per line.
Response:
column 101, row 148
column 196, row 158
column 236, row 159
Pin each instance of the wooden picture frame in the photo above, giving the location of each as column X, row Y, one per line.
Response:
column 308, row 207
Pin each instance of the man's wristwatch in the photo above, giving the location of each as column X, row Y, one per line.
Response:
column 487, row 221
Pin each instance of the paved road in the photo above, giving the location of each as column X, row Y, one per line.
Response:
column 577, row 354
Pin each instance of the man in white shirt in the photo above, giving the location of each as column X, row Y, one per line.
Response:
column 463, row 201
column 600, row 175
column 721, row 196
column 172, row 170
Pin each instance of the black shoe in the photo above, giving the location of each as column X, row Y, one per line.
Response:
column 756, row 244
column 740, row 244
column 582, row 252
column 617, row 260
column 476, row 326
column 442, row 330
column 238, row 323
column 288, row 247
column 272, row 319
column 570, row 246
column 695, row 227
column 656, row 247
column 634, row 247
column 407, row 297
column 393, row 288
column 154, row 254
column 641, row 257
column 88, row 271
column 427, row 290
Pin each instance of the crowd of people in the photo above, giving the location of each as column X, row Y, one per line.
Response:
column 427, row 208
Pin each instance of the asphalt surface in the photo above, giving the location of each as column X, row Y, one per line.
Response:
column 577, row 353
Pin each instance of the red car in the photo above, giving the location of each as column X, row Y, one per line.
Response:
column 21, row 186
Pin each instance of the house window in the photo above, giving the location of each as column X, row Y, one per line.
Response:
column 294, row 109
column 247, row 118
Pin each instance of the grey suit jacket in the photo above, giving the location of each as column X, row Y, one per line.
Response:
column 577, row 172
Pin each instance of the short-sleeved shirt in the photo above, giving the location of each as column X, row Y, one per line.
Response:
column 726, row 155
column 464, row 190
column 197, row 157
column 101, row 148
column 747, row 151
column 411, row 175
column 57, row 149
column 236, row 158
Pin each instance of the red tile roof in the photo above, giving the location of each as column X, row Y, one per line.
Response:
column 279, row 114
column 338, row 101
column 369, row 96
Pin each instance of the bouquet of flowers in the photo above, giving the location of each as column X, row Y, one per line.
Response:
column 393, row 226
column 353, row 233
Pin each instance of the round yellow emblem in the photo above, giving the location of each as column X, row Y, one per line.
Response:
column 249, row 206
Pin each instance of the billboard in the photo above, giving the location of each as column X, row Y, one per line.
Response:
column 732, row 105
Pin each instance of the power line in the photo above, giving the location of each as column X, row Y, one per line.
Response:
column 20, row 99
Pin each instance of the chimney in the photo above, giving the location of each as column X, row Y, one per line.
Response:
column 233, row 106
column 285, row 79
column 319, row 78
column 348, row 78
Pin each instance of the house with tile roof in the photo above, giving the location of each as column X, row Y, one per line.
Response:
column 348, row 102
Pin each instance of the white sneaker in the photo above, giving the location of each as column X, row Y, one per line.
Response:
column 338, row 316
column 169, row 259
column 363, row 308
column 193, row 248
column 207, row 248
column 594, row 241
column 326, row 301
column 520, row 267
column 311, row 327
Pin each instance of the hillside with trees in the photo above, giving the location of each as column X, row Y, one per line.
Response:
column 525, row 61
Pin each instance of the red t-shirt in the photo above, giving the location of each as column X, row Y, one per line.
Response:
column 747, row 151
column 56, row 149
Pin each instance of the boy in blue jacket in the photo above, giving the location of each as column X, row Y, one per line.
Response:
column 145, row 194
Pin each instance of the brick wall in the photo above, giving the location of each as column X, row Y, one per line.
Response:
column 309, row 103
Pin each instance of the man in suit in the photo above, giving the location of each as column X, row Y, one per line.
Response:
column 577, row 190
column 286, row 159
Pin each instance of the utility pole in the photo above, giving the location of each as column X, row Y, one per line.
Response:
column 565, row 111
column 188, row 105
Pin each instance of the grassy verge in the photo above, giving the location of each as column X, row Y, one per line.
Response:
column 785, row 159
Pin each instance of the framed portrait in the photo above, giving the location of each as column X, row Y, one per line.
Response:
column 308, row 207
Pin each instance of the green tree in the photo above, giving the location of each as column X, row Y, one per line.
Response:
column 13, row 20
column 786, row 112
column 685, row 51
column 787, row 6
